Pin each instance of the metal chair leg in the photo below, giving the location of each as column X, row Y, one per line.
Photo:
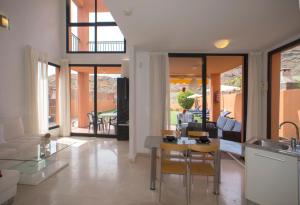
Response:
column 187, row 189
column 160, row 182
column 190, row 186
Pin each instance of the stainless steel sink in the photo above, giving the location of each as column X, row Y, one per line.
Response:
column 271, row 144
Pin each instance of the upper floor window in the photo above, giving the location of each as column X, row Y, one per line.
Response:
column 91, row 28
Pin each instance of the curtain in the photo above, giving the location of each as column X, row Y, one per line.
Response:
column 42, row 96
column 37, row 91
column 255, row 92
column 64, row 99
column 159, row 93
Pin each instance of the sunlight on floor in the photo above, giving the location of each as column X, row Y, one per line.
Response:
column 71, row 141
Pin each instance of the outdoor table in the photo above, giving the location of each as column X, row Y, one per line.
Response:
column 153, row 143
column 106, row 117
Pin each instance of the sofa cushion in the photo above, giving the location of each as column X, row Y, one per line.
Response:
column 13, row 128
column 237, row 127
column 220, row 133
column 221, row 122
column 229, row 125
column 2, row 140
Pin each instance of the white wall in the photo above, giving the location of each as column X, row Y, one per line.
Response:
column 33, row 22
column 142, row 100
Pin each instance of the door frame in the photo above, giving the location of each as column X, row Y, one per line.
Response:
column 204, row 56
column 95, row 134
column 269, row 93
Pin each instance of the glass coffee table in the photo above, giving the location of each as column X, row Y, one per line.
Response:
column 38, row 162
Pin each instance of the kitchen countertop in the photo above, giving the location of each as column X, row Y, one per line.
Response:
column 273, row 147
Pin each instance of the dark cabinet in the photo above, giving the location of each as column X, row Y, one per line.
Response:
column 123, row 109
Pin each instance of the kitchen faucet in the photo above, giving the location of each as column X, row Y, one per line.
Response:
column 292, row 123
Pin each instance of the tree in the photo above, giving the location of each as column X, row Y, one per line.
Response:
column 183, row 101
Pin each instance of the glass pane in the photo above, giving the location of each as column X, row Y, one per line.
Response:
column 185, row 92
column 81, row 39
column 225, row 95
column 83, row 119
column 285, row 92
column 107, row 98
column 82, row 11
column 53, row 79
column 110, row 39
column 103, row 13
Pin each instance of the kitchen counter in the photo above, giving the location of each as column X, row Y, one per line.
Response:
column 276, row 147
column 272, row 171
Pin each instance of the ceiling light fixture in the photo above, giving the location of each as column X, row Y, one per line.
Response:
column 4, row 21
column 222, row 43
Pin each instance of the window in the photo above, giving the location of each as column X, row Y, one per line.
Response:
column 53, row 83
column 92, row 29
column 284, row 90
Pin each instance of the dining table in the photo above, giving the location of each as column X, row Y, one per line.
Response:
column 153, row 143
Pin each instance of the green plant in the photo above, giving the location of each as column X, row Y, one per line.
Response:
column 183, row 101
column 235, row 81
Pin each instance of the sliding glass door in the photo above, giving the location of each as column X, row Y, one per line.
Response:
column 107, row 98
column 186, row 92
column 209, row 92
column 94, row 99
column 83, row 118
column 226, row 92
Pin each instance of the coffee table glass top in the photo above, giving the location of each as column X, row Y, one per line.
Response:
column 37, row 152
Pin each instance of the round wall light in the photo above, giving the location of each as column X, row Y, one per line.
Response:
column 222, row 43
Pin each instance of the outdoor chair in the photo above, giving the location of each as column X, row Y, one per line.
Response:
column 112, row 122
column 91, row 121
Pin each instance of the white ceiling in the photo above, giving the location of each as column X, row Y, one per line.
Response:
column 194, row 25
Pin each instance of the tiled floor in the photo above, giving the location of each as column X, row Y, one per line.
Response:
column 100, row 173
column 104, row 130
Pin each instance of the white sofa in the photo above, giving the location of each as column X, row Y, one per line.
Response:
column 14, row 139
column 8, row 186
column 12, row 142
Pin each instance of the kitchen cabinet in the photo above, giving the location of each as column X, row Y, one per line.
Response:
column 271, row 178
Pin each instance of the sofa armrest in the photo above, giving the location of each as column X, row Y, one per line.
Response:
column 232, row 136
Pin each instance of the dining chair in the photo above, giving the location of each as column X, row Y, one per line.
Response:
column 197, row 134
column 165, row 133
column 203, row 168
column 175, row 133
column 170, row 165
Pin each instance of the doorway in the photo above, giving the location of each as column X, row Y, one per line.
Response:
column 94, row 99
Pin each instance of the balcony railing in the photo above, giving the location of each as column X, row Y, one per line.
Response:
column 107, row 46
column 75, row 43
